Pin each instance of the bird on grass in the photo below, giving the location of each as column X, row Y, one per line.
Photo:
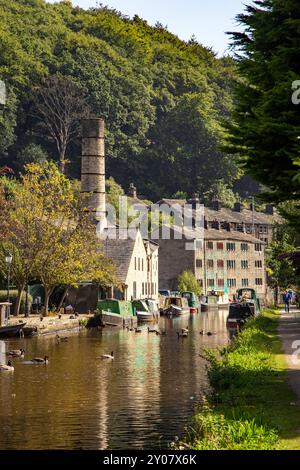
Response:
column 185, row 330
column 7, row 367
column 16, row 353
column 138, row 330
column 108, row 356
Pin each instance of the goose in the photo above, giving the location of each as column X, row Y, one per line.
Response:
column 152, row 330
column 40, row 360
column 108, row 356
column 7, row 367
column 16, row 353
column 62, row 338
column 182, row 334
column 185, row 330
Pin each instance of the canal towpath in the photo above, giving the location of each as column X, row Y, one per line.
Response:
column 289, row 333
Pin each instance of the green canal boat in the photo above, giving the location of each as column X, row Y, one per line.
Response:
column 114, row 313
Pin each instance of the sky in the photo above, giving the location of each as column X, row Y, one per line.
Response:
column 208, row 20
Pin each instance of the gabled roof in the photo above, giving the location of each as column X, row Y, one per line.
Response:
column 120, row 251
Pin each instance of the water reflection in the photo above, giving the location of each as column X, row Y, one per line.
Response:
column 142, row 399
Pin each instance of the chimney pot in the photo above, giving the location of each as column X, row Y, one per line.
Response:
column 132, row 191
column 269, row 209
column 216, row 205
column 237, row 207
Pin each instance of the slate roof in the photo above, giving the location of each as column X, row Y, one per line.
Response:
column 229, row 215
column 120, row 251
column 214, row 234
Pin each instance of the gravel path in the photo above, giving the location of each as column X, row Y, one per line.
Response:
column 289, row 332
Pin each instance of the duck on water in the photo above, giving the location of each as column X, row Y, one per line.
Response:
column 7, row 367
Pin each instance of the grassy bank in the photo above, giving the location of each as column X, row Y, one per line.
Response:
column 252, row 406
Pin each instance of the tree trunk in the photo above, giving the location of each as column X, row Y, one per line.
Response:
column 18, row 300
column 48, row 293
column 63, row 297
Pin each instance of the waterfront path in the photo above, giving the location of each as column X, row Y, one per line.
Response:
column 289, row 332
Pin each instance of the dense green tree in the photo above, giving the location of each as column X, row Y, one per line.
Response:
column 162, row 98
column 187, row 282
column 266, row 126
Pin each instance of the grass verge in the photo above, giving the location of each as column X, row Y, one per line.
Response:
column 251, row 406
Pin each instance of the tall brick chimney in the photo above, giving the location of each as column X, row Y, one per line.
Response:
column 93, row 167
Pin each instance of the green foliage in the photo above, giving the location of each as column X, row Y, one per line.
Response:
column 249, row 407
column 265, row 128
column 221, row 191
column 187, row 282
column 32, row 153
column 281, row 272
column 162, row 98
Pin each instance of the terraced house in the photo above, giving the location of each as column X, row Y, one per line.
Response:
column 223, row 261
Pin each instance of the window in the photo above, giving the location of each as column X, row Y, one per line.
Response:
column 220, row 282
column 244, row 247
column 210, row 245
column 146, row 288
column 198, row 263
column 245, row 282
column 258, row 264
column 210, row 263
column 142, row 264
column 258, row 247
column 210, row 282
column 200, row 282
column 231, row 264
column 259, row 281
column 139, row 265
column 135, row 264
column 220, row 263
column 244, row 264
column 220, row 246
column 230, row 246
column 134, row 290
column 231, row 282
column 143, row 288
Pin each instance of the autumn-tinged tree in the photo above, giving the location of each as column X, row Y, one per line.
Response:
column 51, row 235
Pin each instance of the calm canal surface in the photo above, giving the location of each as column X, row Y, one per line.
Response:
column 141, row 400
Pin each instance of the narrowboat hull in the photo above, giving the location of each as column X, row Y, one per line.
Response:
column 114, row 320
column 11, row 331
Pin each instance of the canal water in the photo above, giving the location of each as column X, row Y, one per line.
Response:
column 141, row 400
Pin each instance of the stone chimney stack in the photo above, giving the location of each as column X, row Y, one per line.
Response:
column 93, row 167
column 132, row 191
column 238, row 207
column 269, row 209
